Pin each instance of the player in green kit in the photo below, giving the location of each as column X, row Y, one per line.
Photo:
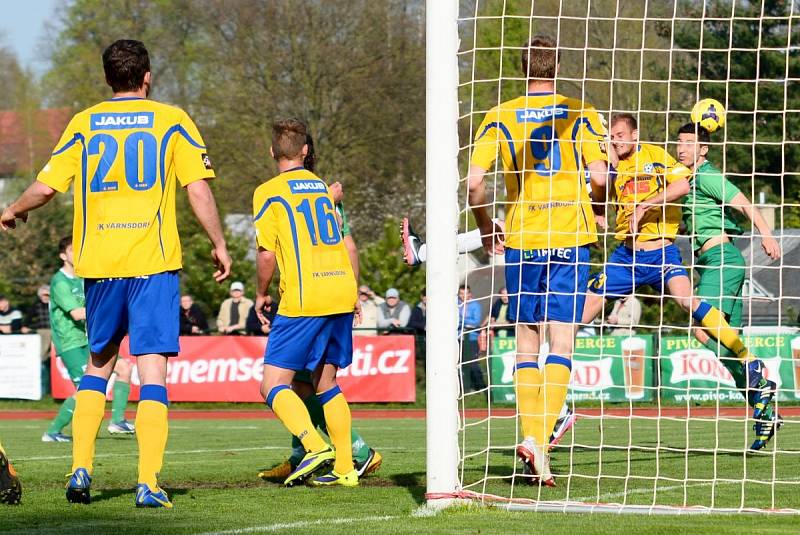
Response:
column 365, row 459
column 720, row 265
column 68, row 325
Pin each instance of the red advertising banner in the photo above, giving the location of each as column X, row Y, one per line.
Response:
column 229, row 368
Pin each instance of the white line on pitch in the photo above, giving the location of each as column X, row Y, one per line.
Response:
column 168, row 452
column 609, row 495
column 302, row 524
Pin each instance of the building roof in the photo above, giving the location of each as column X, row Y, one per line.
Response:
column 27, row 139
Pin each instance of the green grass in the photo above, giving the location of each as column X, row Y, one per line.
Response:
column 211, row 465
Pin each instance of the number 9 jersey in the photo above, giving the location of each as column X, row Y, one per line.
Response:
column 295, row 218
column 125, row 156
column 546, row 141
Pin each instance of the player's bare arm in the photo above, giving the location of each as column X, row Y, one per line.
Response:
column 265, row 269
column 770, row 245
column 205, row 209
column 598, row 177
column 477, row 201
column 36, row 196
column 674, row 191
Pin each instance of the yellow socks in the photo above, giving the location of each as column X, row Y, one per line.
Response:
column 152, row 429
column 715, row 325
column 337, row 419
column 289, row 408
column 528, row 382
column 551, row 397
column 557, row 372
column 90, row 404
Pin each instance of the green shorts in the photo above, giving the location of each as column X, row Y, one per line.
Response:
column 75, row 360
column 722, row 273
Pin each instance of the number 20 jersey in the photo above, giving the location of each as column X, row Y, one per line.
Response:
column 295, row 218
column 545, row 142
column 125, row 156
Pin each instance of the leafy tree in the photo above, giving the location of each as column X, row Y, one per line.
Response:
column 757, row 83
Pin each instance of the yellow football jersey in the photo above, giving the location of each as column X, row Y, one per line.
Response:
column 125, row 156
column 295, row 218
column 641, row 176
column 545, row 141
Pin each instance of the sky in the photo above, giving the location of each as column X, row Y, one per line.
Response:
column 22, row 28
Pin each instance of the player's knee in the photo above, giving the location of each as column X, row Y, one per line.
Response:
column 123, row 369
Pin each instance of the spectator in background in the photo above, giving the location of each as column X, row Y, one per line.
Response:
column 417, row 321
column 393, row 314
column 469, row 320
column 38, row 319
column 10, row 318
column 498, row 317
column 255, row 327
column 369, row 312
column 193, row 321
column 234, row 310
column 625, row 316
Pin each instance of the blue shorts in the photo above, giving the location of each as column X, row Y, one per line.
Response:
column 303, row 343
column 146, row 308
column 546, row 284
column 621, row 276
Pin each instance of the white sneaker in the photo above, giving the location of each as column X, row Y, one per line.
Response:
column 537, row 461
column 123, row 427
column 563, row 424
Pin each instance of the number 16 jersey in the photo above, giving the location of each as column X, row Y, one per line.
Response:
column 295, row 218
column 545, row 140
column 125, row 156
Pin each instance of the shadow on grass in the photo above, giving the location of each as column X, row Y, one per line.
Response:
column 414, row 483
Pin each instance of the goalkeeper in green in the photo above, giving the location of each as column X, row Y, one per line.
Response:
column 720, row 265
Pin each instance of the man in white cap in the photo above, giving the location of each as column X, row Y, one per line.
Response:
column 394, row 313
column 233, row 311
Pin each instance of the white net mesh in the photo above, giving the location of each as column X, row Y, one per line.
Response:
column 660, row 423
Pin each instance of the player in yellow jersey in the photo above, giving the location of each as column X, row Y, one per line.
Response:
column 124, row 158
column 647, row 190
column 546, row 142
column 297, row 231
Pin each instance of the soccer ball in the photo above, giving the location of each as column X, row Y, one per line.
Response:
column 709, row 113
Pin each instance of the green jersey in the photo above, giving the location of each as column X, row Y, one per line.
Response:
column 703, row 213
column 66, row 294
column 343, row 215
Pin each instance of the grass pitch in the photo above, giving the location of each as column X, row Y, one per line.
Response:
column 211, row 465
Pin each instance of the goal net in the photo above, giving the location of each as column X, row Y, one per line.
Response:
column 656, row 420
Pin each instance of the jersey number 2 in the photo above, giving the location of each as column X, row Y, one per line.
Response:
column 326, row 226
column 138, row 146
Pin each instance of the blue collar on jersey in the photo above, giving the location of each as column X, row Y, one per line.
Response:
column 298, row 168
column 538, row 94
column 121, row 99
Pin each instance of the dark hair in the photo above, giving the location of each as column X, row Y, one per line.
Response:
column 311, row 157
column 424, row 291
column 694, row 128
column 63, row 243
column 125, row 63
column 540, row 58
column 627, row 117
column 465, row 287
column 288, row 138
